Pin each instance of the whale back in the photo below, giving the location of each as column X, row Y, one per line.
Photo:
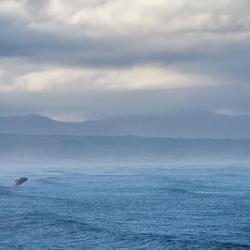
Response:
column 20, row 181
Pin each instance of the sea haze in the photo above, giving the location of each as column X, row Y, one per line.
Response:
column 124, row 192
column 122, row 149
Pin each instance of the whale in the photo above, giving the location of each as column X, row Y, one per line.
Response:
column 20, row 181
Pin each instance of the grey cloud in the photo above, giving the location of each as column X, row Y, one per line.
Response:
column 218, row 49
column 99, row 104
column 19, row 40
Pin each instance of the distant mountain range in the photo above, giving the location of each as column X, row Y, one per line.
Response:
column 181, row 125
column 122, row 149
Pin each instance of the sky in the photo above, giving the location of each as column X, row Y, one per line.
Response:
column 87, row 59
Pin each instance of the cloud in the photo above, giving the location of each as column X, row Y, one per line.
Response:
column 57, row 79
column 117, row 32
column 182, row 48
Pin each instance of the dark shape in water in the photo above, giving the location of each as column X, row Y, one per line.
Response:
column 20, row 181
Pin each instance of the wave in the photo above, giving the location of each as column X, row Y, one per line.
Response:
column 47, row 180
column 69, row 232
column 231, row 245
column 183, row 191
column 55, row 219
column 4, row 190
column 164, row 241
column 177, row 190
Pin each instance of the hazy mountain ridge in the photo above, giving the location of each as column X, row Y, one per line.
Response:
column 123, row 148
column 184, row 125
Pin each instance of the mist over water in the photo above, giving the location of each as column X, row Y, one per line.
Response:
column 124, row 193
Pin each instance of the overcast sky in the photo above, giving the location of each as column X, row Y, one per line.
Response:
column 87, row 59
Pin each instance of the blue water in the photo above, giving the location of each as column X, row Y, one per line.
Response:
column 152, row 208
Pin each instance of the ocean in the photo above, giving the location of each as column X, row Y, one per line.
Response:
column 146, row 207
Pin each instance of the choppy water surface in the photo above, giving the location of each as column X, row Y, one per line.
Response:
column 144, row 209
